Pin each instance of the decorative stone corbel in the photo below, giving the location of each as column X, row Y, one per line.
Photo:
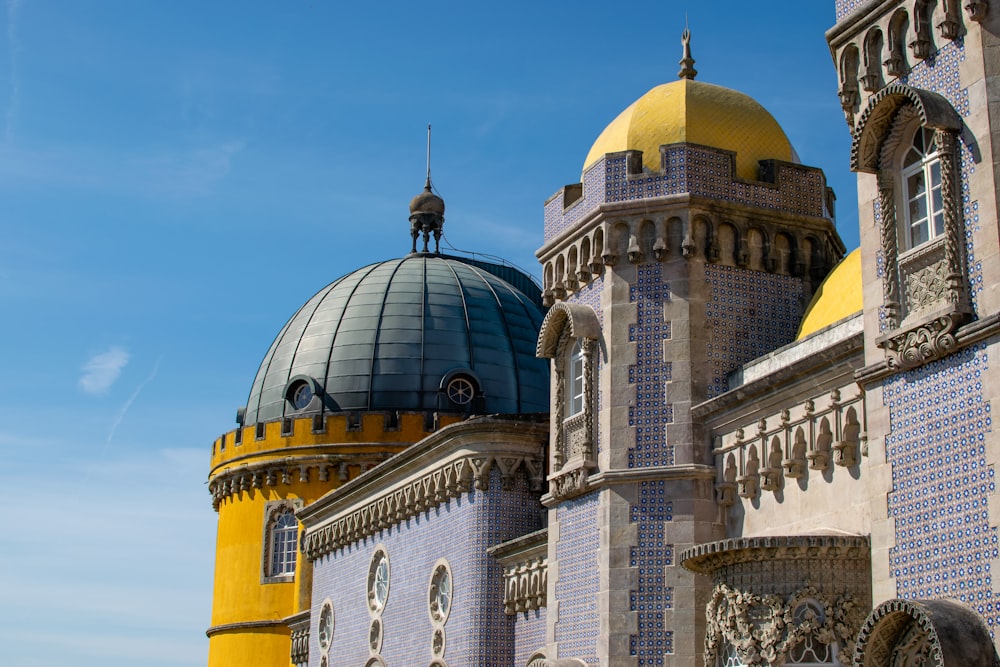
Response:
column 795, row 467
column 726, row 489
column 660, row 250
column 819, row 458
column 771, row 477
column 608, row 258
column 977, row 9
column 750, row 481
column 926, row 342
column 634, row 256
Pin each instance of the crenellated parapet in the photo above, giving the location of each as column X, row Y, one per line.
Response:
column 694, row 207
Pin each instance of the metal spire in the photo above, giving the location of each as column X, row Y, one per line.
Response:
column 687, row 62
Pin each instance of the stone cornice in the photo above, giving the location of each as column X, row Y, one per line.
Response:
column 605, row 478
column 286, row 470
column 710, row 557
column 856, row 20
column 244, row 625
column 521, row 548
column 443, row 466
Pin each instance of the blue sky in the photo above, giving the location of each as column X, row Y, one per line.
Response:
column 176, row 178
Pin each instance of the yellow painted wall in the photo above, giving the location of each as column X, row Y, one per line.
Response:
column 239, row 594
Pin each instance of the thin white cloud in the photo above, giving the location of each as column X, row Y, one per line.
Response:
column 102, row 370
column 131, row 399
column 15, row 83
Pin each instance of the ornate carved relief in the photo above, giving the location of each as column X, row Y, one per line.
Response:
column 977, row 9
column 927, row 286
column 765, row 629
column 921, row 344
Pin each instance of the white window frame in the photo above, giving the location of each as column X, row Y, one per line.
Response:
column 280, row 542
column 926, row 166
column 575, row 370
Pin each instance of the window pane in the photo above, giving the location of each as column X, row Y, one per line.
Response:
column 918, row 234
column 938, row 224
column 915, row 184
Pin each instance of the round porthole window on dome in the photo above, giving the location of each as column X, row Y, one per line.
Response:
column 300, row 394
column 461, row 390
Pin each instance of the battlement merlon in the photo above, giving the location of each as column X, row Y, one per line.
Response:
column 688, row 169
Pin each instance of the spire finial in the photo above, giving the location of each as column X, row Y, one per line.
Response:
column 426, row 210
column 427, row 186
column 687, row 62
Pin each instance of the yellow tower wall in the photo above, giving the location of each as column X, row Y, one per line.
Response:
column 291, row 461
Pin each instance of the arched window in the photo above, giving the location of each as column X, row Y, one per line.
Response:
column 574, row 380
column 280, row 541
column 922, row 194
column 284, row 540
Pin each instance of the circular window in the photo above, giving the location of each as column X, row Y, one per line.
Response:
column 301, row 395
column 461, row 391
column 378, row 581
column 326, row 625
column 440, row 593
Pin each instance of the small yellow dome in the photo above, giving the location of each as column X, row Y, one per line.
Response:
column 698, row 113
column 838, row 296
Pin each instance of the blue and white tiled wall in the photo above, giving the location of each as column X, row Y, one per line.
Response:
column 650, row 414
column 478, row 632
column 749, row 313
column 941, row 482
column 529, row 635
column 653, row 514
column 578, row 583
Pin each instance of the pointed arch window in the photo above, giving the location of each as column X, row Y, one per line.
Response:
column 922, row 191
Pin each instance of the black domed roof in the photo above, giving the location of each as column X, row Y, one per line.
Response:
column 393, row 335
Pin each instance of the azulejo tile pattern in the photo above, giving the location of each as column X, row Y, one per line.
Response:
column 846, row 7
column 698, row 170
column 478, row 632
column 576, row 589
column 940, row 74
column 529, row 634
column 750, row 313
column 650, row 414
column 941, row 482
column 652, row 514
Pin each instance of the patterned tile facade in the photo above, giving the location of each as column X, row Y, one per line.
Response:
column 697, row 170
column 941, row 482
column 477, row 631
column 846, row 7
column 750, row 313
column 578, row 626
column 529, row 635
column 650, row 414
column 653, row 512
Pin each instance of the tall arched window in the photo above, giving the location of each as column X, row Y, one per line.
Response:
column 924, row 202
column 574, row 377
column 284, row 542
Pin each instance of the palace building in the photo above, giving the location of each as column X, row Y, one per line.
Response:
column 711, row 437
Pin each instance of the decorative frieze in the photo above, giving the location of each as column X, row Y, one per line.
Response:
column 924, row 342
column 428, row 491
column 280, row 472
column 813, row 434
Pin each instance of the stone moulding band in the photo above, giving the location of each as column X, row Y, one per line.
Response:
column 428, row 491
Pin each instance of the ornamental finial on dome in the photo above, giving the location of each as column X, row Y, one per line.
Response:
column 687, row 62
column 426, row 210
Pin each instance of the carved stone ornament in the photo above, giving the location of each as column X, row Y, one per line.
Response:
column 928, row 286
column 938, row 633
column 765, row 629
column 925, row 342
column 525, row 586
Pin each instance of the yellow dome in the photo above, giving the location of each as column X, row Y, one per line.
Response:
column 698, row 113
column 838, row 296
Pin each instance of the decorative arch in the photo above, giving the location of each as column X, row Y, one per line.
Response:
column 876, row 121
column 938, row 632
column 581, row 322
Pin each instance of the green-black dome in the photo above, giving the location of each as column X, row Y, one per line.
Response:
column 409, row 334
